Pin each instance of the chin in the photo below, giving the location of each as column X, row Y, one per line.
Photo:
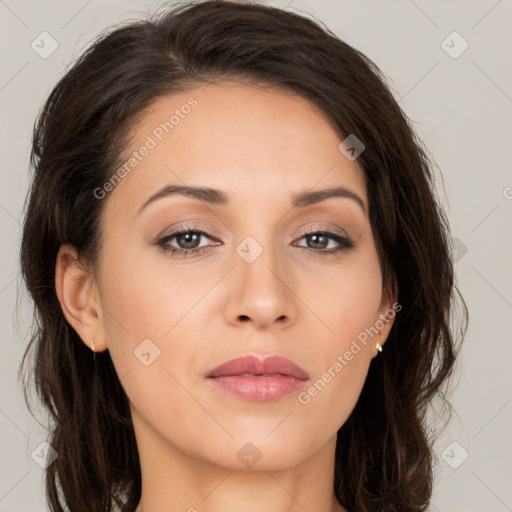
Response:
column 257, row 453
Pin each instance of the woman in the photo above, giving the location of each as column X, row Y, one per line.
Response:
column 230, row 217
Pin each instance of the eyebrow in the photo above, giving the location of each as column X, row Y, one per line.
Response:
column 218, row 197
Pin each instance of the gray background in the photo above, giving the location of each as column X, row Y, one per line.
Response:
column 461, row 106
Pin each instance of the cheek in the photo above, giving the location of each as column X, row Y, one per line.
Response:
column 347, row 306
column 332, row 397
column 153, row 318
column 149, row 323
column 143, row 298
column 345, row 300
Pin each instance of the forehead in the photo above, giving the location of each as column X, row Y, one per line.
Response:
column 249, row 141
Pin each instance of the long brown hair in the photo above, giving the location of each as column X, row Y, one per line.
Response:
column 384, row 450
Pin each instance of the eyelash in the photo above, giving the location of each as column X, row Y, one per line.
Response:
column 346, row 242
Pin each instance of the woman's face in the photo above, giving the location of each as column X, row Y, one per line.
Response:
column 259, row 286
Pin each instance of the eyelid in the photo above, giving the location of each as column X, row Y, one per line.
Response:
column 189, row 225
column 332, row 231
column 183, row 229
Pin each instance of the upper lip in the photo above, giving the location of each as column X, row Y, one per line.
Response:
column 252, row 365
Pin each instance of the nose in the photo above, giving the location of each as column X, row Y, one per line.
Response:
column 261, row 292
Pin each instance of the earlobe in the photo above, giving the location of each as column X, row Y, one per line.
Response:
column 387, row 312
column 78, row 295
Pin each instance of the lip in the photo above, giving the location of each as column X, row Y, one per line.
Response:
column 258, row 379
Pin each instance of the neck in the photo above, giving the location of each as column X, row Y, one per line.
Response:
column 173, row 480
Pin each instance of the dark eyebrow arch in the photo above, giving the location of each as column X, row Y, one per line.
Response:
column 309, row 198
column 217, row 197
column 208, row 195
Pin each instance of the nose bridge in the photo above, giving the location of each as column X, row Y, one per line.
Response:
column 261, row 275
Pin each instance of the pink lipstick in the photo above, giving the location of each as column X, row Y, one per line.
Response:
column 258, row 379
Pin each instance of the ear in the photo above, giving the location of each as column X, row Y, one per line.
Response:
column 386, row 314
column 79, row 298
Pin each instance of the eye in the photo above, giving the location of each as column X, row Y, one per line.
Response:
column 188, row 239
column 319, row 241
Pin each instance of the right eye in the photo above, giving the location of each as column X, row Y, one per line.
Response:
column 187, row 236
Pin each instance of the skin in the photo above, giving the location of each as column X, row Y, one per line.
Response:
column 261, row 147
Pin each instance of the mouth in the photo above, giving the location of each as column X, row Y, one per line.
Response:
column 257, row 379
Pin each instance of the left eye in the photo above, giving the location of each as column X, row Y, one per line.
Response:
column 320, row 238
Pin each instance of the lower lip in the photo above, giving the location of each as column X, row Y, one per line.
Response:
column 259, row 389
